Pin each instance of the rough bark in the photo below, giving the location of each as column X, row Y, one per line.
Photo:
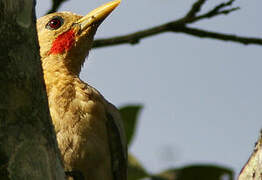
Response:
column 28, row 147
column 253, row 168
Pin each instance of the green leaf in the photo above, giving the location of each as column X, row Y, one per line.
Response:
column 129, row 115
column 195, row 172
column 135, row 169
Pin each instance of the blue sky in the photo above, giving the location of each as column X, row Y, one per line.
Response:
column 202, row 98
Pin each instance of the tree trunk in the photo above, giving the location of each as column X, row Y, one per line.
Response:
column 28, row 147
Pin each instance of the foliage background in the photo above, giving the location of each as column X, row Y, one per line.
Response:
column 201, row 97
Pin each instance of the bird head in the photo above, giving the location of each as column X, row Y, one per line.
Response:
column 65, row 38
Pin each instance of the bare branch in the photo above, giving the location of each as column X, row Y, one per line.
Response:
column 212, row 14
column 217, row 10
column 180, row 26
column 55, row 5
column 223, row 5
column 227, row 11
column 220, row 36
column 134, row 38
column 196, row 7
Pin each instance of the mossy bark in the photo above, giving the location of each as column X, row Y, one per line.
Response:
column 28, row 147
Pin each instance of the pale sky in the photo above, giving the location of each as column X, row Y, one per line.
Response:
column 202, row 97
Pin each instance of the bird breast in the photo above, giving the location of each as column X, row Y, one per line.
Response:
column 78, row 115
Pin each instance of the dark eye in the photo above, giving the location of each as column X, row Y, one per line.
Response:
column 55, row 23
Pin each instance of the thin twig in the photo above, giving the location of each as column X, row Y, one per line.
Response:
column 55, row 5
column 213, row 14
column 217, row 10
column 196, row 7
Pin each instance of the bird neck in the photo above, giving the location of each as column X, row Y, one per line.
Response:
column 58, row 75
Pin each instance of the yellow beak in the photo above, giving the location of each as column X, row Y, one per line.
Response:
column 97, row 15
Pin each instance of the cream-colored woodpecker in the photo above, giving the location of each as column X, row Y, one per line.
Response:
column 89, row 130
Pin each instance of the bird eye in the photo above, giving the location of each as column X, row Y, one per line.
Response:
column 55, row 23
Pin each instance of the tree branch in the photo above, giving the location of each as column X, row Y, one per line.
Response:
column 220, row 36
column 218, row 10
column 196, row 7
column 133, row 38
column 177, row 27
column 181, row 26
column 55, row 5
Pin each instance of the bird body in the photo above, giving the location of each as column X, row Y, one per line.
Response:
column 89, row 130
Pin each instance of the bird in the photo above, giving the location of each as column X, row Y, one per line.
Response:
column 89, row 129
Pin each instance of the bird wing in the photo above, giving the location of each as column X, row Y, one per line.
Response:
column 117, row 142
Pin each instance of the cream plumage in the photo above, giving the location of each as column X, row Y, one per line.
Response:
column 89, row 130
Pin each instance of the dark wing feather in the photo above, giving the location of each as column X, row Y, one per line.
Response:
column 117, row 143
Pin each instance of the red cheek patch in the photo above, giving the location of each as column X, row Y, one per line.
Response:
column 63, row 42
